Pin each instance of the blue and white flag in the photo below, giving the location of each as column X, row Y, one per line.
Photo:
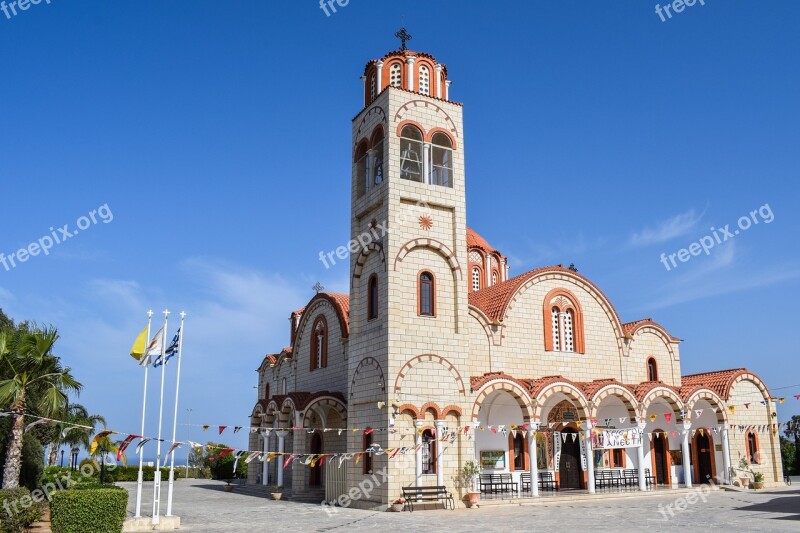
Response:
column 171, row 350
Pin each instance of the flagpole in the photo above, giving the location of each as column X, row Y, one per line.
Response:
column 140, row 477
column 175, row 418
column 157, row 476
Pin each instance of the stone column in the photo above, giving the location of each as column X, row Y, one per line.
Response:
column 447, row 90
column 418, row 425
column 438, row 80
column 410, row 72
column 640, row 458
column 687, row 458
column 587, row 427
column 534, row 466
column 265, row 464
column 726, row 456
column 439, row 453
column 281, row 448
column 379, row 77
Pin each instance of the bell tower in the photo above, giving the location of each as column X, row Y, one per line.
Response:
column 407, row 298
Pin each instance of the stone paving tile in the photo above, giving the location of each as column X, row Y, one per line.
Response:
column 204, row 507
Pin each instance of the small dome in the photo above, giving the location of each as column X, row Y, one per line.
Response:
column 474, row 240
column 417, row 72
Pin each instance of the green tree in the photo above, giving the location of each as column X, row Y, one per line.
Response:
column 33, row 382
column 5, row 321
column 793, row 434
column 73, row 414
column 220, row 468
column 788, row 451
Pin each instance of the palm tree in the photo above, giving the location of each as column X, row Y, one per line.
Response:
column 30, row 370
column 73, row 414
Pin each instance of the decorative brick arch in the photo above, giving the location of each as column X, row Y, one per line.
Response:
column 748, row 376
column 709, row 396
column 375, row 110
column 451, row 125
column 659, row 331
column 456, row 410
column 569, row 389
column 627, row 397
column 327, row 402
column 409, row 408
column 664, row 393
column 514, row 389
column 430, row 406
column 436, row 359
column 368, row 362
column 434, row 245
column 362, row 260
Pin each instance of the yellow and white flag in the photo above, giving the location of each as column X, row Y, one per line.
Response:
column 139, row 345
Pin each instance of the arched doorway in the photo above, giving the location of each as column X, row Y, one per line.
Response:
column 569, row 465
column 659, row 448
column 315, row 473
column 704, row 458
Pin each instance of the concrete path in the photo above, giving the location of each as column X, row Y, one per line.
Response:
column 204, row 507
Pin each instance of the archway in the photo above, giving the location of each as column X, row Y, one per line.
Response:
column 315, row 472
column 703, row 457
column 569, row 464
column 661, row 459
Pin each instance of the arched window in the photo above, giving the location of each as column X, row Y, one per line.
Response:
column 494, row 278
column 395, row 75
column 319, row 344
column 373, row 87
column 427, row 294
column 476, row 279
column 563, row 318
column 284, row 389
column 266, row 391
column 361, row 168
column 424, row 80
column 556, row 329
column 367, row 443
column 377, row 156
column 411, row 154
column 428, row 452
column 753, row 456
column 441, row 160
column 372, row 298
column 652, row 370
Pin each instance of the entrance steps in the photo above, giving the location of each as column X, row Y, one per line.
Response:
column 578, row 496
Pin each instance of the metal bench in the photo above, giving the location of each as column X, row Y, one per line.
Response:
column 430, row 494
column 498, row 483
column 547, row 481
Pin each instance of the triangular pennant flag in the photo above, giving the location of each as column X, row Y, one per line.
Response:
column 608, row 421
column 673, row 433
column 237, row 429
column 668, row 417
column 175, row 446
column 702, row 432
column 574, row 436
column 732, row 409
column 747, row 406
column 97, row 438
column 622, row 419
column 513, row 433
column 358, row 457
column 564, row 437
column 289, row 460
column 340, row 432
column 653, row 418
column 205, row 428
column 368, row 431
column 222, row 428
column 141, row 444
column 781, row 400
column 252, row 457
column 125, row 444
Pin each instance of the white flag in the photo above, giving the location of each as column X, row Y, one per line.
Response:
column 153, row 349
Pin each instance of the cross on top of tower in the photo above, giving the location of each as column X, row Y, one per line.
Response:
column 318, row 287
column 404, row 36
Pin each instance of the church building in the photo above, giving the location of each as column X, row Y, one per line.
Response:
column 439, row 356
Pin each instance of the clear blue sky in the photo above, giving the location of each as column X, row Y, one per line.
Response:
column 218, row 133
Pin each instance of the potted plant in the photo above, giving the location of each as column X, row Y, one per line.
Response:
column 466, row 481
column 744, row 467
column 397, row 505
column 228, row 485
column 758, row 480
column 277, row 492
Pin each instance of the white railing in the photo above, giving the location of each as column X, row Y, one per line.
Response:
column 335, row 481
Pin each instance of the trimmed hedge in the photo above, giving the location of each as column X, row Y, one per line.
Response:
column 18, row 511
column 89, row 507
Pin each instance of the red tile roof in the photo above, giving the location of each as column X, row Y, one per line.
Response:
column 494, row 300
column 719, row 381
column 631, row 327
column 474, row 240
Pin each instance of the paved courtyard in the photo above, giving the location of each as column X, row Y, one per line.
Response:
column 204, row 506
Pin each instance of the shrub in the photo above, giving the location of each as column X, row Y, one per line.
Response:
column 56, row 475
column 24, row 510
column 89, row 507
